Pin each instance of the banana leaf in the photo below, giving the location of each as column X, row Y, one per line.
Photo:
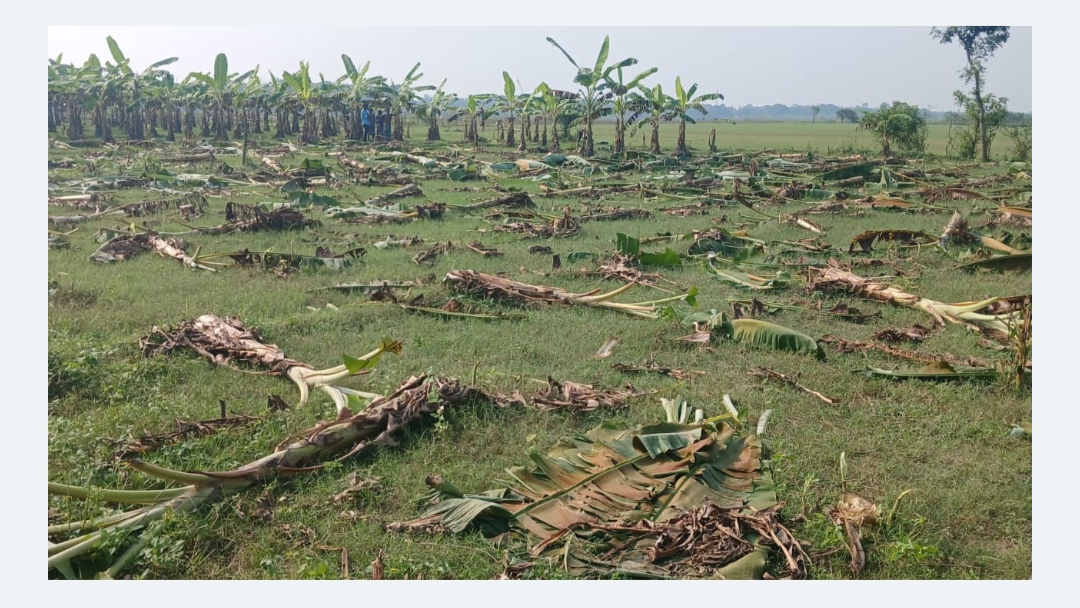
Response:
column 529, row 165
column 939, row 370
column 669, row 258
column 860, row 170
column 1020, row 261
column 763, row 333
column 608, row 476
column 866, row 240
column 816, row 195
column 749, row 281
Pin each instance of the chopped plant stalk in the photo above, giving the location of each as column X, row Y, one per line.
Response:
column 761, row 372
column 853, row 512
column 428, row 256
column 517, row 199
column 580, row 397
column 498, row 287
column 149, row 442
column 993, row 325
column 763, row 422
column 849, row 346
column 224, row 340
column 478, row 247
column 358, row 434
column 651, row 366
column 915, row 333
column 605, row 350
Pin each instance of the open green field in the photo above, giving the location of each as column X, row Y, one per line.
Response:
column 954, row 488
column 822, row 138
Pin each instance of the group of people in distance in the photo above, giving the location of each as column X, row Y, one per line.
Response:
column 376, row 125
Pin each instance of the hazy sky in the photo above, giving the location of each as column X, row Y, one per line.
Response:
column 749, row 64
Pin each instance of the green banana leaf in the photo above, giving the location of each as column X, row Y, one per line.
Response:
column 816, row 195
column 763, row 333
column 739, row 279
column 668, row 437
column 863, row 170
column 669, row 258
column 938, row 370
column 1020, row 261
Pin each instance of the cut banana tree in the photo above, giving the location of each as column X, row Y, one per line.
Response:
column 967, row 313
column 224, row 341
column 489, row 285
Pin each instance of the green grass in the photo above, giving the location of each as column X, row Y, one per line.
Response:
column 968, row 515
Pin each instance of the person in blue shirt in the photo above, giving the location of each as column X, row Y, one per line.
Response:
column 385, row 126
column 366, row 119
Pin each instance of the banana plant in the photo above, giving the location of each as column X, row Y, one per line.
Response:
column 656, row 105
column 620, row 104
column 476, row 108
column 220, row 88
column 401, row 97
column 134, row 87
column 433, row 108
column 360, row 87
column 592, row 98
column 508, row 103
column 300, row 82
column 684, row 103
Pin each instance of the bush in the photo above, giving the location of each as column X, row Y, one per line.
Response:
column 901, row 124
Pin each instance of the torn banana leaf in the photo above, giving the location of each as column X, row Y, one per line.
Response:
column 272, row 260
column 866, row 240
column 939, row 370
column 1020, row 261
column 609, row 475
column 861, row 170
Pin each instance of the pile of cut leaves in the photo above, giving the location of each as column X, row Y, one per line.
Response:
column 669, row 500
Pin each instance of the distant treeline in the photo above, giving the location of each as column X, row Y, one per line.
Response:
column 827, row 113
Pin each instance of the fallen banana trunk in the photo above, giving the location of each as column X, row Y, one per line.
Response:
column 69, row 220
column 223, row 341
column 993, row 325
column 168, row 248
column 349, row 435
column 127, row 246
column 517, row 199
column 851, row 346
column 271, row 163
column 492, row 286
column 958, row 231
column 409, row 190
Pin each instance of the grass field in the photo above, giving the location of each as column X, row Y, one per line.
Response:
column 967, row 515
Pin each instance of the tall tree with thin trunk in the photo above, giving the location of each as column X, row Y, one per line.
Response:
column 979, row 44
column 815, row 110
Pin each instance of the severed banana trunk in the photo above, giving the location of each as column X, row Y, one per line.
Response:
column 993, row 325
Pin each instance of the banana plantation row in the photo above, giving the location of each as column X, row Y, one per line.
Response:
column 113, row 96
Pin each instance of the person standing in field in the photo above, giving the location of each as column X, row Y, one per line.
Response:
column 366, row 121
column 386, row 125
column 379, row 115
